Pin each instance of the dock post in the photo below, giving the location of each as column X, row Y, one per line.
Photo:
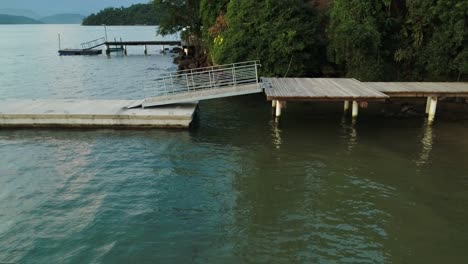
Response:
column 432, row 108
column 273, row 103
column 428, row 104
column 278, row 108
column 125, row 50
column 108, row 50
column 146, row 50
column 355, row 109
column 346, row 106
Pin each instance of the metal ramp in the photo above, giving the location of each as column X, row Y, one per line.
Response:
column 93, row 44
column 203, row 84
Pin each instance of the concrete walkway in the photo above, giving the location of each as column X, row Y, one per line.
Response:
column 92, row 113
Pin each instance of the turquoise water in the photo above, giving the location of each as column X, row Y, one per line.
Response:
column 237, row 188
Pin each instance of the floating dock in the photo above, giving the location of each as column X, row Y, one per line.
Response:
column 93, row 113
column 78, row 52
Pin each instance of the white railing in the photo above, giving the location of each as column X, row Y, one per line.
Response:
column 213, row 77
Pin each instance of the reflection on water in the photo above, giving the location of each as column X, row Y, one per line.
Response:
column 276, row 133
column 427, row 141
column 349, row 131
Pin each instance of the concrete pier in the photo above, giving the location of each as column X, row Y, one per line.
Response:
column 432, row 108
column 92, row 113
column 346, row 106
column 355, row 111
column 279, row 105
column 428, row 104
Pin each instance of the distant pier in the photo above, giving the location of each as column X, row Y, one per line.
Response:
column 89, row 48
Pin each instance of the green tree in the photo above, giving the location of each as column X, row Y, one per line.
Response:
column 434, row 45
column 139, row 14
column 282, row 34
column 357, row 33
column 177, row 15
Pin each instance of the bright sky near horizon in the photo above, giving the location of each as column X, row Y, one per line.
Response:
column 50, row 7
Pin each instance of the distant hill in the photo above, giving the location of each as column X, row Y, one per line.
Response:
column 10, row 20
column 19, row 12
column 63, row 19
column 139, row 14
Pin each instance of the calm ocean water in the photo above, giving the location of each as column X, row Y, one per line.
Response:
column 237, row 188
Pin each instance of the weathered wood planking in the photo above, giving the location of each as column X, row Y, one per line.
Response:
column 319, row 89
column 420, row 89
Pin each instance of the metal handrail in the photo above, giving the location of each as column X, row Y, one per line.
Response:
column 206, row 78
column 93, row 43
column 203, row 69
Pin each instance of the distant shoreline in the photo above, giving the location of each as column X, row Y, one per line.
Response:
column 8, row 19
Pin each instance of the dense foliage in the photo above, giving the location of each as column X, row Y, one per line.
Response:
column 279, row 34
column 435, row 40
column 139, row 14
column 366, row 39
column 399, row 40
column 178, row 15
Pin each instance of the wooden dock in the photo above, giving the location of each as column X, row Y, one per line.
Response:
column 92, row 113
column 420, row 89
column 90, row 47
column 143, row 43
column 319, row 89
column 281, row 90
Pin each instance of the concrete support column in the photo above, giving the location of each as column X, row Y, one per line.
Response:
column 278, row 108
column 428, row 104
column 346, row 106
column 273, row 103
column 355, row 109
column 432, row 108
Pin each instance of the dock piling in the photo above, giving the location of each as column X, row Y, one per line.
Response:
column 273, row 103
column 146, row 50
column 355, row 109
column 346, row 106
column 428, row 105
column 278, row 108
column 432, row 108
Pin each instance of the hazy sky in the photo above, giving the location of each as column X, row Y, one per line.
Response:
column 49, row 7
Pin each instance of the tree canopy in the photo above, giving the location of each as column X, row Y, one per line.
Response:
column 282, row 34
column 138, row 14
column 384, row 40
